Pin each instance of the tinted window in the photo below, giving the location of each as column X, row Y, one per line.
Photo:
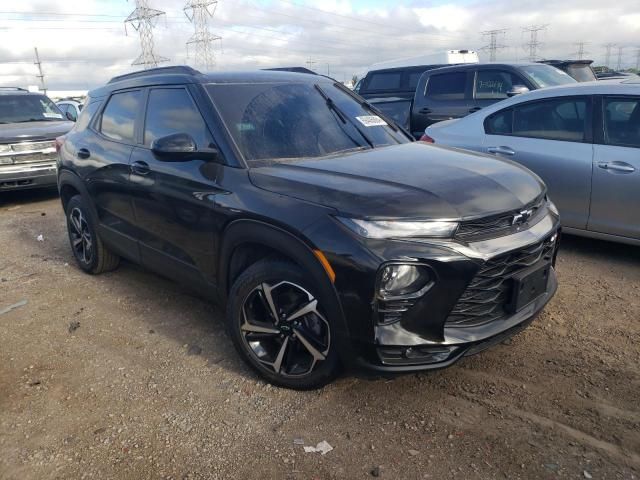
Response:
column 447, row 86
column 413, row 79
column 87, row 114
column 119, row 116
column 71, row 110
column 385, row 81
column 494, row 84
column 581, row 73
column 171, row 110
column 557, row 119
column 278, row 121
column 499, row 123
column 546, row 75
column 622, row 121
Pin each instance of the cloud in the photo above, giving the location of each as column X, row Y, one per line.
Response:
column 82, row 43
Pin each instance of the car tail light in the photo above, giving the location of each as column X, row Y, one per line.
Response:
column 426, row 138
column 58, row 143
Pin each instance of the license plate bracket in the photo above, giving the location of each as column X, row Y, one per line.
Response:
column 528, row 285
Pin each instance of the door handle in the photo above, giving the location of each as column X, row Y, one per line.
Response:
column 621, row 167
column 140, row 168
column 83, row 153
column 424, row 111
column 501, row 150
column 474, row 109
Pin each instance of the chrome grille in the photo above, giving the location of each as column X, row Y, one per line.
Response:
column 495, row 225
column 488, row 294
column 28, row 152
column 31, row 146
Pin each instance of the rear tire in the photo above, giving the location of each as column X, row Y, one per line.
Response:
column 91, row 255
column 276, row 320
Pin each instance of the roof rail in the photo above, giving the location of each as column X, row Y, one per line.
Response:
column 177, row 69
column 14, row 88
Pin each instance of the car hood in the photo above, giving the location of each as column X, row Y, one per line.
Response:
column 33, row 131
column 413, row 180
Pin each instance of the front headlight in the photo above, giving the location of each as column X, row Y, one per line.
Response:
column 5, row 148
column 399, row 228
column 402, row 279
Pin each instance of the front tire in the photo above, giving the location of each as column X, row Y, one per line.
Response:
column 88, row 249
column 277, row 323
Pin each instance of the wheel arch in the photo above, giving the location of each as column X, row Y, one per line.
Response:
column 70, row 184
column 247, row 241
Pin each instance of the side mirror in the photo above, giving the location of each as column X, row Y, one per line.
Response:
column 70, row 116
column 177, row 146
column 517, row 90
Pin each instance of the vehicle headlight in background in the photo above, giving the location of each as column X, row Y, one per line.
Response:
column 397, row 280
column 400, row 228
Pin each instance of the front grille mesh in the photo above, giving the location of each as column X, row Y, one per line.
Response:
column 488, row 294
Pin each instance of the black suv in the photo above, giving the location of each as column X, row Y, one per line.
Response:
column 330, row 236
column 29, row 125
column 456, row 91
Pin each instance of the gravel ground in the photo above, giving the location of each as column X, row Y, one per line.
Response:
column 130, row 376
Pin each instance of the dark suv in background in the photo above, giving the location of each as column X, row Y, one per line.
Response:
column 29, row 125
column 454, row 92
column 332, row 238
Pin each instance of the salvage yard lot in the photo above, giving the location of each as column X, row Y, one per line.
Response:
column 128, row 375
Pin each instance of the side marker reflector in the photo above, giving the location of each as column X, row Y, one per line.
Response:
column 325, row 263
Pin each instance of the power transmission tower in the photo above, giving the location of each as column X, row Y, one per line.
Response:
column 533, row 45
column 143, row 19
column 310, row 63
column 493, row 45
column 607, row 58
column 40, row 72
column 638, row 59
column 581, row 51
column 199, row 12
column 619, row 65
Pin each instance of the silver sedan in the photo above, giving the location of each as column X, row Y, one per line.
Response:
column 583, row 140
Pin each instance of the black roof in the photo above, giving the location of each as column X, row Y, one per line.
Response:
column 566, row 62
column 17, row 91
column 186, row 75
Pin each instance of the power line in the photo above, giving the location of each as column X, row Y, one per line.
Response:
column 533, row 45
column 619, row 65
column 607, row 60
column 40, row 72
column 199, row 12
column 143, row 19
column 493, row 45
column 581, row 51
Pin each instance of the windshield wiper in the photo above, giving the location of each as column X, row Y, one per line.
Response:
column 340, row 114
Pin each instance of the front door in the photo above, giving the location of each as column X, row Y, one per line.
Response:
column 615, row 201
column 174, row 199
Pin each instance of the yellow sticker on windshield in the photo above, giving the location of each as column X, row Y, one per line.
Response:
column 371, row 121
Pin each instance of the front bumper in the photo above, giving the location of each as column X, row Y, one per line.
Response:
column 21, row 176
column 426, row 337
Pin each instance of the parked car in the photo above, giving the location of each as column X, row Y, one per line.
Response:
column 582, row 140
column 455, row 92
column 332, row 238
column 29, row 125
column 70, row 108
column 580, row 70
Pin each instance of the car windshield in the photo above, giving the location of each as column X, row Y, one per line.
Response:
column 286, row 120
column 28, row 108
column 546, row 75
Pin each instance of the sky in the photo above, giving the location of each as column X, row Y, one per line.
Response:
column 83, row 43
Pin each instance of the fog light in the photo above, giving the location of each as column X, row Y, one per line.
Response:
column 398, row 280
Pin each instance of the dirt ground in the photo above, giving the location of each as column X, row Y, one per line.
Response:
column 129, row 376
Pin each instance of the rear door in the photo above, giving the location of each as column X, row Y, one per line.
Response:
column 445, row 96
column 551, row 137
column 615, row 200
column 103, row 157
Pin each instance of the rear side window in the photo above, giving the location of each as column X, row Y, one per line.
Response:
column 447, row 86
column 414, row 77
column 119, row 116
column 171, row 110
column 385, row 81
column 556, row 119
column 87, row 114
column 494, row 84
column 622, row 121
column 499, row 123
